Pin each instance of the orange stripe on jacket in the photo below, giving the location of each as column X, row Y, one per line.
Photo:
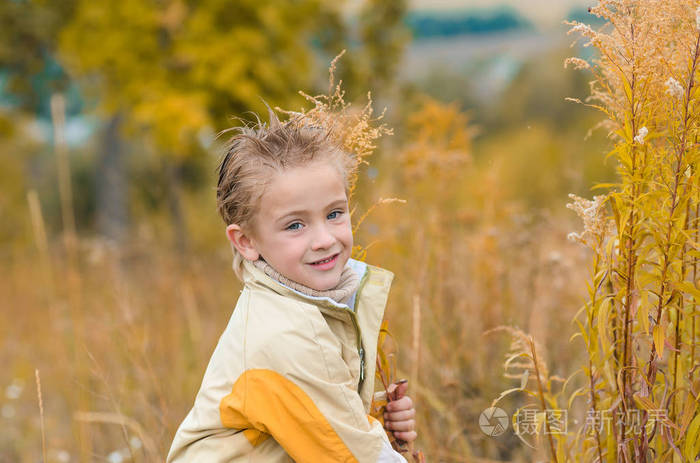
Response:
column 269, row 403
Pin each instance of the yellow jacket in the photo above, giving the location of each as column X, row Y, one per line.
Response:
column 291, row 379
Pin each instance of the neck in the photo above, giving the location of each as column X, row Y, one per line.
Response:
column 342, row 292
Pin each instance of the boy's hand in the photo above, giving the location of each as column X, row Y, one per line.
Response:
column 399, row 415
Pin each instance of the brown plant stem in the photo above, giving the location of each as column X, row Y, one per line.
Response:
column 631, row 256
column 679, row 316
column 542, row 402
column 596, row 266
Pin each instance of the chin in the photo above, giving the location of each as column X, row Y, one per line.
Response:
column 326, row 287
column 326, row 284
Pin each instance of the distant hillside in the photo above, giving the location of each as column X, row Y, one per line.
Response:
column 426, row 23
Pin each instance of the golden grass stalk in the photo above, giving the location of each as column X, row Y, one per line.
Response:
column 42, row 243
column 41, row 415
column 523, row 363
column 73, row 277
column 58, row 117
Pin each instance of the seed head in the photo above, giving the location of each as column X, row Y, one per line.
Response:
column 574, row 237
column 596, row 224
column 577, row 63
column 585, row 31
column 674, row 89
column 641, row 135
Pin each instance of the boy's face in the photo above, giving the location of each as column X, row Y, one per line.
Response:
column 302, row 227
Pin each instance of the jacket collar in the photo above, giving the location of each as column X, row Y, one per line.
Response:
column 253, row 276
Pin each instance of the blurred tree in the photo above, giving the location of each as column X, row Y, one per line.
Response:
column 28, row 30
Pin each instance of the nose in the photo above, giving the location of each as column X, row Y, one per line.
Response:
column 323, row 238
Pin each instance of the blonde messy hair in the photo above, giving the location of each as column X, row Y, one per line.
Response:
column 259, row 151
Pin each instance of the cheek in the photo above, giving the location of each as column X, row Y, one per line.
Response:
column 294, row 249
column 347, row 235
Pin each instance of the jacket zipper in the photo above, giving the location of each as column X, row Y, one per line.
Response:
column 353, row 317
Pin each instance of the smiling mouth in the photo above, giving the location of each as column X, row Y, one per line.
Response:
column 326, row 260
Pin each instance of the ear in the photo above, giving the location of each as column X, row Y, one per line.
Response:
column 242, row 242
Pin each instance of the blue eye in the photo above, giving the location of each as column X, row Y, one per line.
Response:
column 294, row 226
column 334, row 215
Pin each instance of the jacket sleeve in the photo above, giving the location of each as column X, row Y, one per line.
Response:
column 300, row 391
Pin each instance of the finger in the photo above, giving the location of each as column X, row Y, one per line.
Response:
column 404, row 403
column 408, row 436
column 397, row 390
column 408, row 425
column 400, row 416
column 401, row 388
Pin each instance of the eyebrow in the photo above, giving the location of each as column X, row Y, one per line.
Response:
column 336, row 203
